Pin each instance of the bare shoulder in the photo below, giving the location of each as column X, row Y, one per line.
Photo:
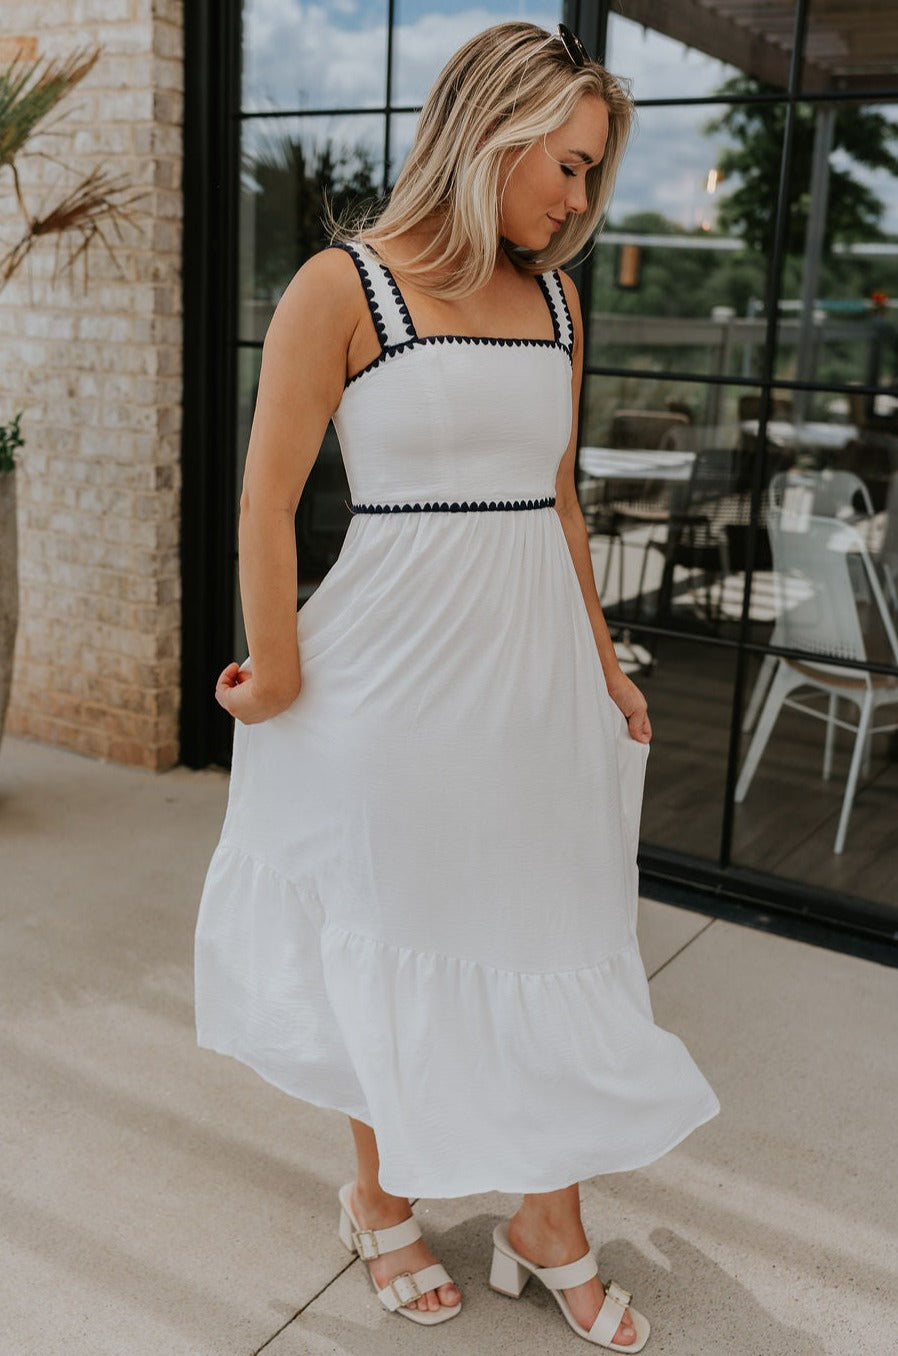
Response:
column 324, row 297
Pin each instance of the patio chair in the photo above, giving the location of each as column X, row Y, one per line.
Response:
column 818, row 565
column 821, row 494
column 887, row 557
column 696, row 538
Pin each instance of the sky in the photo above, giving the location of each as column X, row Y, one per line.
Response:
column 305, row 55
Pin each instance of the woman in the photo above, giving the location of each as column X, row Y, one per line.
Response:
column 422, row 908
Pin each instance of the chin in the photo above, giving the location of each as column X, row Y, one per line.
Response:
column 534, row 242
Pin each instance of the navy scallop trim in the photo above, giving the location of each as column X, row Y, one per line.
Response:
column 400, row 301
column 493, row 506
column 567, row 309
column 553, row 310
column 364, row 275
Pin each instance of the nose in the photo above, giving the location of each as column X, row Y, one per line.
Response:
column 575, row 198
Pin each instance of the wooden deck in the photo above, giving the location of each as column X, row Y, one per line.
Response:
column 787, row 824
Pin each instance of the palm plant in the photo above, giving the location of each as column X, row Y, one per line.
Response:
column 87, row 212
column 29, row 92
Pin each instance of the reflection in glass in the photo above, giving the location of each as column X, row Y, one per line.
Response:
column 850, row 47
column 829, row 603
column 652, row 49
column 313, row 56
column 690, row 694
column 427, row 32
column 676, row 283
column 839, row 319
column 402, row 134
column 666, row 476
column 288, row 165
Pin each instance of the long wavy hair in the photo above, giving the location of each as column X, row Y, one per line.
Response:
column 503, row 91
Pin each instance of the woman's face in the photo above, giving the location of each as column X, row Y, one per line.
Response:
column 549, row 181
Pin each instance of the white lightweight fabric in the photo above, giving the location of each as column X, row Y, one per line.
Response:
column 422, row 908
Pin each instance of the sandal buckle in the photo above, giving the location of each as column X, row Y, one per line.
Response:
column 408, row 1290
column 617, row 1292
column 366, row 1244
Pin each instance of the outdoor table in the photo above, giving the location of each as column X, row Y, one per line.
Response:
column 813, row 433
column 615, row 463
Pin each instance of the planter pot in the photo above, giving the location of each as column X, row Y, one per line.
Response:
column 9, row 586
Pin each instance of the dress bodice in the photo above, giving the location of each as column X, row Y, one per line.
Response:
column 452, row 417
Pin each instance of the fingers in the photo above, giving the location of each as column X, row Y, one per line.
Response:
column 229, row 679
column 640, row 726
column 228, row 676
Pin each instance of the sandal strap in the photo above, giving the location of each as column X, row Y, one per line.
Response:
column 571, row 1274
column 609, row 1316
column 371, row 1243
column 411, row 1285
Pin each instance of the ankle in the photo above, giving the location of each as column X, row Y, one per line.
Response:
column 371, row 1199
column 548, row 1228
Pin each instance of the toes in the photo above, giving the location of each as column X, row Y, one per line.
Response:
column 626, row 1333
column 434, row 1299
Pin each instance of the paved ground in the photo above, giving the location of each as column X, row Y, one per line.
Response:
column 156, row 1200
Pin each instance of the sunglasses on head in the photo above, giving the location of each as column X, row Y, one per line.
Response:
column 572, row 45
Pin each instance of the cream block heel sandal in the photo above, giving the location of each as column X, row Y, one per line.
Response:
column 510, row 1273
column 411, row 1285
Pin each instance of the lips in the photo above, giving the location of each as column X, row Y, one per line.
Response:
column 556, row 224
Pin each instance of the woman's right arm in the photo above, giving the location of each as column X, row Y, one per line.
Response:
column 301, row 382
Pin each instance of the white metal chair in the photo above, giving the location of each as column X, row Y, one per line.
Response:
column 888, row 551
column 821, row 565
column 822, row 494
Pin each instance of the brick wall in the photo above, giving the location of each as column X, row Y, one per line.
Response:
column 97, row 370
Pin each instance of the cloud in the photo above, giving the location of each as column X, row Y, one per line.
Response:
column 300, row 55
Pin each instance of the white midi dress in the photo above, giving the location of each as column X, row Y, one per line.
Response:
column 422, row 908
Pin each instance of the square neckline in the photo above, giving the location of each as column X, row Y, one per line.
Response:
column 502, row 339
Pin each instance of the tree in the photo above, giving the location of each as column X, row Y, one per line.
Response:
column 291, row 182
column 854, row 211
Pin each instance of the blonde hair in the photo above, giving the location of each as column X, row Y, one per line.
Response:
column 504, row 90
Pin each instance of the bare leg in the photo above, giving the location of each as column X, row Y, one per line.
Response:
column 375, row 1209
column 548, row 1230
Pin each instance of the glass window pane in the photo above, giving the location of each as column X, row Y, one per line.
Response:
column 800, row 728
column 844, row 467
column 676, row 283
column 300, row 56
column 666, row 474
column 287, row 166
column 850, row 47
column 427, row 32
column 686, row 52
column 839, row 307
column 690, row 696
column 402, row 134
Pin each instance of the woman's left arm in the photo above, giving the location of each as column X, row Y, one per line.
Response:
column 622, row 689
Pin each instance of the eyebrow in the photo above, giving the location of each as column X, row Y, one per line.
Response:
column 587, row 159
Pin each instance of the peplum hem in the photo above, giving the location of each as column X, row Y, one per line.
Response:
column 568, row 1073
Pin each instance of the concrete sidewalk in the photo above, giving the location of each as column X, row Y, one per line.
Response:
column 156, row 1200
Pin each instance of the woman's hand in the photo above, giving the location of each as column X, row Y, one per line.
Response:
column 239, row 694
column 627, row 696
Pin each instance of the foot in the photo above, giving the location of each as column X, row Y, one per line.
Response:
column 545, row 1247
column 382, row 1212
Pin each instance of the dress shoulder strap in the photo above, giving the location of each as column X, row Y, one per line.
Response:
column 553, row 291
column 385, row 302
